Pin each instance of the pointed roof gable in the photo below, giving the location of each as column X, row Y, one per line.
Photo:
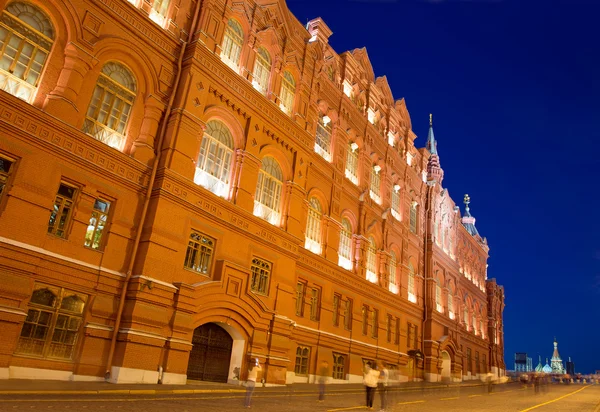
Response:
column 362, row 57
column 384, row 86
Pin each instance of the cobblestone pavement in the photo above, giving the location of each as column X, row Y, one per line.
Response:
column 510, row 397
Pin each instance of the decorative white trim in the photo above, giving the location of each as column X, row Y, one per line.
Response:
column 19, row 372
column 142, row 333
column 99, row 327
column 14, row 311
column 181, row 341
column 57, row 256
column 160, row 282
column 278, row 358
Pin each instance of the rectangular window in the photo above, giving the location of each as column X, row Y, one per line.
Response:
column 413, row 338
column 51, row 328
column 484, row 364
column 438, row 298
column 336, row 309
column 389, row 328
column 413, row 217
column 375, row 191
column 302, row 360
column 397, row 341
column 365, row 319
column 352, row 162
column 62, row 211
column 477, row 365
column 348, row 314
column 339, row 366
column 97, row 225
column 375, row 321
column 468, row 359
column 300, row 288
column 261, row 273
column 199, row 253
column 315, row 298
column 6, row 166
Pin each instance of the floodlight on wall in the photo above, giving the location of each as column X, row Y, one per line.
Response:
column 396, row 188
column 326, row 119
column 377, row 168
column 354, row 146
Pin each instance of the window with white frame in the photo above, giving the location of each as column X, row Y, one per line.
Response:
column 438, row 298
column 26, row 37
column 375, row 189
column 267, row 200
column 288, row 91
column 450, row 305
column 313, row 227
column 352, row 162
column 345, row 248
column 412, row 290
column 413, row 217
column 62, row 211
column 393, row 279
column 261, row 273
column 158, row 13
column 396, row 202
column 109, row 110
column 323, row 138
column 231, row 49
column 262, row 71
column 372, row 261
column 95, row 230
column 213, row 169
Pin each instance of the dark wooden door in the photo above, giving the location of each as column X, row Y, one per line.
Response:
column 210, row 355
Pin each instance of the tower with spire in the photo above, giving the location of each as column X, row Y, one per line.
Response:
column 468, row 220
column 556, row 362
column 434, row 170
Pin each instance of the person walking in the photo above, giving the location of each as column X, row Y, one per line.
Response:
column 323, row 376
column 251, row 381
column 370, row 380
column 382, row 384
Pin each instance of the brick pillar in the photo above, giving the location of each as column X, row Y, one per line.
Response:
column 143, row 147
column 297, row 209
column 360, row 253
column 244, row 179
column 331, row 228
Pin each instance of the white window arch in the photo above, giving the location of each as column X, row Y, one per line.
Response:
column 323, row 138
column 267, row 201
column 396, row 212
column 231, row 49
column 213, row 169
column 450, row 304
column 109, row 110
column 393, row 278
column 352, row 162
column 313, row 226
column 412, row 290
column 288, row 91
column 438, row 298
column 372, row 261
column 262, row 71
column 345, row 248
column 26, row 37
column 375, row 189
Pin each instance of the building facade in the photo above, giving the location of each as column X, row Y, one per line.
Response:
column 181, row 179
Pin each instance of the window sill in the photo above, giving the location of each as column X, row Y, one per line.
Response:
column 44, row 358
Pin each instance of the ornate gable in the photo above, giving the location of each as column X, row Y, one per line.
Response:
column 362, row 58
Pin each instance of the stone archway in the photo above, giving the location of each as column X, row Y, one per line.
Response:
column 217, row 353
column 446, row 366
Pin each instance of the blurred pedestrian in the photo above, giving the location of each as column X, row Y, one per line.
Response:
column 370, row 380
column 323, row 376
column 251, row 380
column 382, row 384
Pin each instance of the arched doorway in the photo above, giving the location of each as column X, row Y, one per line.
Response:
column 446, row 366
column 211, row 354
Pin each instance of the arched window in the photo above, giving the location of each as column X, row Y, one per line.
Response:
column 262, row 71
column 345, row 249
column 450, row 305
column 438, row 298
column 213, row 169
column 231, row 49
column 396, row 202
column 474, row 323
column 313, row 227
column 372, row 261
column 288, row 91
column 267, row 200
column 466, row 316
column 393, row 279
column 352, row 162
column 26, row 37
column 323, row 138
column 158, row 13
column 413, row 217
column 110, row 107
column 375, row 190
column 412, row 290
column 481, row 327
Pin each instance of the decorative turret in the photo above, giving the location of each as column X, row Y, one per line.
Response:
column 557, row 364
column 468, row 221
column 539, row 366
column 434, row 170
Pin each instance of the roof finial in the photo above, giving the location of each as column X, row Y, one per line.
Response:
column 430, row 119
column 466, row 201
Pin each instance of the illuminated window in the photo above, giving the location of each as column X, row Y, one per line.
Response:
column 375, row 189
column 300, row 290
column 260, row 273
column 199, row 253
column 323, row 138
column 348, row 314
column 450, row 306
column 393, row 267
column 412, row 290
column 302, row 359
column 232, row 44
column 352, row 162
column 26, row 37
column 365, row 319
column 396, row 202
column 97, row 224
column 339, row 366
column 474, row 324
column 315, row 301
column 51, row 328
column 345, row 248
column 6, row 166
column 372, row 261
column 262, row 71
column 62, row 211
column 109, row 110
column 413, row 217
column 158, row 13
column 267, row 201
column 288, row 91
column 375, row 323
column 336, row 309
column 213, row 169
column 438, row 298
column 466, row 317
column 313, row 227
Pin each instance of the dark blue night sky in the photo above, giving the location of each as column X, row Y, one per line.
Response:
column 515, row 94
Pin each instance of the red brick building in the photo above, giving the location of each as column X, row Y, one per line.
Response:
column 184, row 178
